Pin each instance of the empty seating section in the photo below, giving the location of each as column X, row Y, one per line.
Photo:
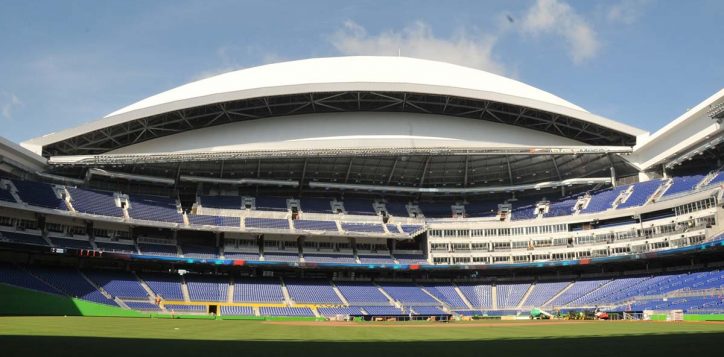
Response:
column 641, row 193
column 524, row 212
column 221, row 202
column 201, row 220
column 71, row 282
column 360, row 207
column 194, row 309
column 154, row 208
column 207, row 288
column 142, row 306
column 311, row 291
column 577, row 290
column 362, row 293
column 542, row 292
column 717, row 179
column 510, row 295
column 480, row 296
column 14, row 275
column 313, row 225
column 410, row 228
column 428, row 310
column 601, row 294
column 39, row 194
column 316, row 205
column 411, row 259
column 603, row 200
column 375, row 259
column 199, row 251
column 363, row 227
column 157, row 249
column 682, row 184
column 278, row 204
column 258, row 290
column 408, row 294
column 329, row 258
column 70, row 243
column 344, row 311
column 165, row 285
column 397, row 209
column 286, row 311
column 481, row 209
column 94, row 202
column 281, row 257
column 561, row 208
column 392, row 228
column 383, row 311
column 119, row 284
column 21, row 238
column 436, row 210
column 241, row 255
column 237, row 310
column 446, row 293
column 271, row 223
column 6, row 196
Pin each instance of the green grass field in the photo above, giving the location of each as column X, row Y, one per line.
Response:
column 73, row 336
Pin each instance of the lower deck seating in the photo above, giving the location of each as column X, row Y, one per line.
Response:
column 286, row 311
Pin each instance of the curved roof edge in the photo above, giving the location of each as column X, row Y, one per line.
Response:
column 392, row 74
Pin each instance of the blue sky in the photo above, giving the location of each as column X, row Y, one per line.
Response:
column 642, row 62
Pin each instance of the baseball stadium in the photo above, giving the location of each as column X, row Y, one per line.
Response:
column 360, row 206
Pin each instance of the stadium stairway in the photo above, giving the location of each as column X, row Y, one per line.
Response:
column 287, row 298
column 339, row 293
column 462, row 296
column 525, row 296
column 494, row 296
column 230, row 291
column 392, row 301
column 185, row 290
column 558, row 294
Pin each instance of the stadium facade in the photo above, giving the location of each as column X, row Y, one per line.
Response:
column 397, row 183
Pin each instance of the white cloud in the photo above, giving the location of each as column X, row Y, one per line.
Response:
column 417, row 40
column 8, row 103
column 627, row 11
column 558, row 18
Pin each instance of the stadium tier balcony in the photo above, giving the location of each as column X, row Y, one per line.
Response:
column 408, row 294
column 682, row 184
column 335, row 311
column 119, row 284
column 314, row 225
column 542, row 292
column 524, row 212
column 207, row 288
column 362, row 293
column 258, row 290
column 39, row 194
column 115, row 247
column 277, row 204
column 22, row 238
column 269, row 223
column 237, row 311
column 641, row 193
column 359, row 207
column 70, row 243
column 199, row 251
column 157, row 249
column 72, row 283
column 411, row 258
column 192, row 309
column 281, row 257
column 603, row 200
column 286, row 311
column 94, row 202
column 375, row 259
column 241, row 255
column 220, row 221
column 17, row 276
column 510, row 295
column 446, row 293
column 561, row 208
column 316, row 205
column 220, row 202
column 311, row 291
column 329, row 258
column 168, row 286
column 363, row 228
column 480, row 296
column 154, row 208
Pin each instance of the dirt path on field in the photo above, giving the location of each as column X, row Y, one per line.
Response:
column 383, row 324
